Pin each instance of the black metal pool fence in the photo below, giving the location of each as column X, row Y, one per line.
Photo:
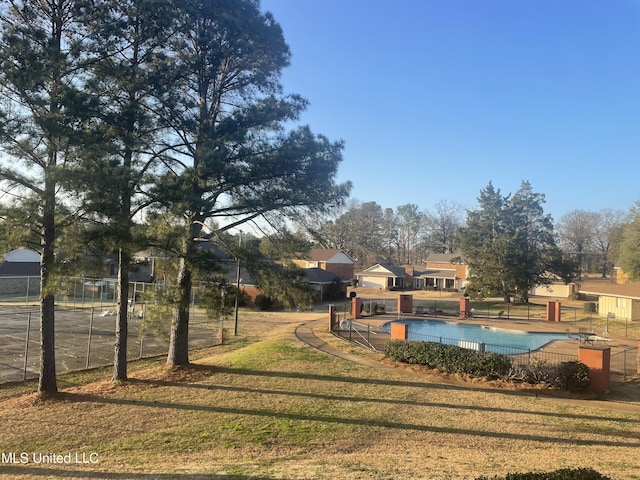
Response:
column 435, row 308
column 365, row 336
column 623, row 365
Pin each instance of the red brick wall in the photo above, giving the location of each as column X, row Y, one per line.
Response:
column 345, row 271
column 342, row 270
column 461, row 269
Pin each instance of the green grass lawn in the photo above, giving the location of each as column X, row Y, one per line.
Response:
column 267, row 406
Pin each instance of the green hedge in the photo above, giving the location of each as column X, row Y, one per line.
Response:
column 573, row 375
column 263, row 302
column 450, row 358
column 562, row 474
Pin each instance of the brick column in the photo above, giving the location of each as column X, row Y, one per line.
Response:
column 399, row 331
column 558, row 309
column 598, row 359
column 405, row 303
column 551, row 311
column 464, row 307
column 356, row 304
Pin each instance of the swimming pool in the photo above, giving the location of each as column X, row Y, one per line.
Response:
column 468, row 336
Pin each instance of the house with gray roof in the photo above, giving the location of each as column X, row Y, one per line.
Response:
column 382, row 276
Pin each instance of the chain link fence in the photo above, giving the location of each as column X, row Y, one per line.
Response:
column 85, row 325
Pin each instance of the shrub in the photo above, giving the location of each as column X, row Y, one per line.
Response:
column 562, row 474
column 539, row 372
column 449, row 358
column 263, row 302
column 589, row 307
column 573, row 376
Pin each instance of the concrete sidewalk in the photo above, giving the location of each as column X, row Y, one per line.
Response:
column 305, row 334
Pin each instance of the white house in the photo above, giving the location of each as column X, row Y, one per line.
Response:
column 382, row 276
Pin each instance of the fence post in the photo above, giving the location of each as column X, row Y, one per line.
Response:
column 598, row 359
column 464, row 307
column 26, row 347
column 332, row 318
column 399, row 331
column 405, row 303
column 551, row 311
column 356, row 304
column 89, row 337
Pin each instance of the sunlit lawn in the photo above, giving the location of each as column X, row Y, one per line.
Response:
column 270, row 407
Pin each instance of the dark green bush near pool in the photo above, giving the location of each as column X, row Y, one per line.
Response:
column 449, row 358
column 562, row 474
column 573, row 376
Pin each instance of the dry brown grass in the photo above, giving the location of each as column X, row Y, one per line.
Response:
column 267, row 406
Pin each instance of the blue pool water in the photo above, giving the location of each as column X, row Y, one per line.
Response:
column 432, row 330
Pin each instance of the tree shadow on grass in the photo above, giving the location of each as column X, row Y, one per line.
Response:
column 354, row 399
column 364, row 422
column 41, row 471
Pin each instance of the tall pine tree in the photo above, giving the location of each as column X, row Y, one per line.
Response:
column 232, row 159
column 131, row 76
column 41, row 105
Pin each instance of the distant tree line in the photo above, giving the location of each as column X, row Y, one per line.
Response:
column 371, row 234
column 509, row 239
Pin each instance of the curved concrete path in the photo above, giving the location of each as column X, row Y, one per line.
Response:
column 304, row 333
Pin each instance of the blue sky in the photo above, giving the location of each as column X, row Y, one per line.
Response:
column 434, row 99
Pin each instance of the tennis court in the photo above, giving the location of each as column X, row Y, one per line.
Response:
column 84, row 338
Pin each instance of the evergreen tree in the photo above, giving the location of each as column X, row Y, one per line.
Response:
column 629, row 248
column 232, row 158
column 40, row 131
column 508, row 243
column 131, row 74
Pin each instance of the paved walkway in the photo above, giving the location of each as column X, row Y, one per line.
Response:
column 305, row 333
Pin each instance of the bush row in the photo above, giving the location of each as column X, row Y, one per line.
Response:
column 449, row 358
column 573, row 375
column 562, row 474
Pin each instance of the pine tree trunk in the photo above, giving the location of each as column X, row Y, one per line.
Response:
column 179, row 341
column 47, row 382
column 122, row 330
